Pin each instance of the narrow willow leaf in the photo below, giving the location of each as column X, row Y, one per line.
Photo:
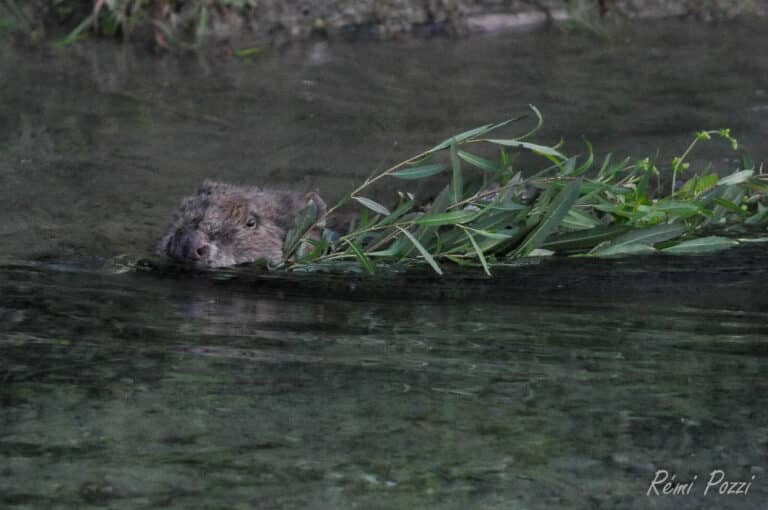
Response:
column 746, row 162
column 478, row 161
column 699, row 184
column 422, row 250
column 585, row 239
column 588, row 163
column 604, row 167
column 372, row 205
column 737, row 177
column 624, row 249
column 76, row 34
column 539, row 123
column 393, row 251
column 439, row 204
column 478, row 131
column 319, row 247
column 361, row 257
column 579, row 220
column 457, row 180
column 481, row 130
column 674, row 208
column 501, row 235
column 540, row 149
column 364, row 218
column 303, row 221
column 568, row 167
column 727, row 204
column 760, row 217
column 643, row 237
column 441, row 201
column 479, row 253
column 555, row 214
column 398, row 213
column 727, row 200
column 330, row 236
column 447, row 218
column 707, row 244
column 419, row 172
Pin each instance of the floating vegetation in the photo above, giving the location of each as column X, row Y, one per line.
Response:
column 490, row 212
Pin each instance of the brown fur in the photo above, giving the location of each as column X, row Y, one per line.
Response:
column 224, row 224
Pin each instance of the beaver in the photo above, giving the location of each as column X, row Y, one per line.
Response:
column 226, row 224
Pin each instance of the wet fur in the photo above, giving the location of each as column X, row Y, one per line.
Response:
column 220, row 214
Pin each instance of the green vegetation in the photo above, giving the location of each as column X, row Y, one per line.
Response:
column 171, row 23
column 488, row 213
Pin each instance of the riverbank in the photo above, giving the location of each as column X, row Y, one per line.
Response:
column 191, row 24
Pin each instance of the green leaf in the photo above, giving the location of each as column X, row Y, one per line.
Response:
column 729, row 198
column 676, row 208
column 402, row 209
column 447, row 218
column 556, row 212
column 623, row 249
column 457, row 180
column 249, row 52
column 461, row 137
column 361, row 257
column 727, row 204
column 501, row 235
column 540, row 149
column 707, row 244
column 473, row 133
column 319, row 247
column 699, row 184
column 588, row 163
column 541, row 252
column 479, row 253
column 422, row 250
column 736, row 177
column 372, row 205
column 585, row 239
column 579, row 220
column 305, row 219
column 76, row 34
column 746, row 162
column 539, row 123
column 760, row 217
column 480, row 162
column 419, row 172
column 643, row 237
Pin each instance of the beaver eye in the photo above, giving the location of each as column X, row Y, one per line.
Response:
column 252, row 222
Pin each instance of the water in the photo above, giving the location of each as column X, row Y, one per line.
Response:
column 557, row 384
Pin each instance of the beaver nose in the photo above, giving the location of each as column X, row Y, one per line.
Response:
column 203, row 251
column 189, row 245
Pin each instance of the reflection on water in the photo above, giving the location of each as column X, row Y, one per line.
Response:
column 558, row 385
column 138, row 391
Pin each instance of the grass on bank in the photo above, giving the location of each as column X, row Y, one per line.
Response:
column 172, row 23
column 490, row 213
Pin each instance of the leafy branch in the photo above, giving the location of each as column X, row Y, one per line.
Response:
column 493, row 214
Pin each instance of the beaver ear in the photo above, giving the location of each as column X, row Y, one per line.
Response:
column 208, row 186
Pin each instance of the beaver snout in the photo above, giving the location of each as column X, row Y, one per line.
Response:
column 189, row 246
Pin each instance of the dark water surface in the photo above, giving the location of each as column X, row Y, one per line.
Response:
column 559, row 384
